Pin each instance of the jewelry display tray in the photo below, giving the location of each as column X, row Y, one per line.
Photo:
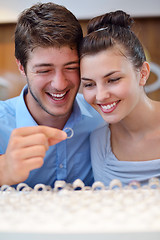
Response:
column 78, row 212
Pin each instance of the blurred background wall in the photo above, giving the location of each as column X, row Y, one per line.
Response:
column 145, row 13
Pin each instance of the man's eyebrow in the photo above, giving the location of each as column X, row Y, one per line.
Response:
column 51, row 65
column 72, row 62
column 43, row 65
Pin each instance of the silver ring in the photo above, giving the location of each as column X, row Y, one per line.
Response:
column 59, row 185
column 98, row 186
column 134, row 184
column 154, row 183
column 69, row 132
column 78, row 184
column 115, row 183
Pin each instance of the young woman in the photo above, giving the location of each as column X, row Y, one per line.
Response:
column 113, row 72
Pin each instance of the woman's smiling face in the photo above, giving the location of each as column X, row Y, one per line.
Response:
column 110, row 84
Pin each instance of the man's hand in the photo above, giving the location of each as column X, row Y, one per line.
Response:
column 25, row 152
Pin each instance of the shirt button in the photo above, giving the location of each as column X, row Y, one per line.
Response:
column 61, row 165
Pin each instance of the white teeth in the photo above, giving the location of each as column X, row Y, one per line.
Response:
column 106, row 107
column 58, row 95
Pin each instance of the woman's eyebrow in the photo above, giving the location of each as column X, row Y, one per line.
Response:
column 110, row 73
column 106, row 75
column 85, row 79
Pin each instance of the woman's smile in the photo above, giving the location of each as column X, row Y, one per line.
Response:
column 108, row 108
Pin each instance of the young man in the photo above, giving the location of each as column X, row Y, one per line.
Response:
column 47, row 38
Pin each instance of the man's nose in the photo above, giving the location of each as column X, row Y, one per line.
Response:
column 59, row 80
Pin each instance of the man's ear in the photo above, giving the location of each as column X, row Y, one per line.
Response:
column 20, row 67
column 144, row 73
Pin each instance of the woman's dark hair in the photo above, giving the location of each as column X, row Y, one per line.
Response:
column 45, row 25
column 109, row 30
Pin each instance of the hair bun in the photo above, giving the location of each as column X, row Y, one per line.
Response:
column 118, row 18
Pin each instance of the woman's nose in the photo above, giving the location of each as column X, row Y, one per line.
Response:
column 102, row 93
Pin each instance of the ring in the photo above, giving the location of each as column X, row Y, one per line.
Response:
column 40, row 187
column 22, row 187
column 78, row 184
column 115, row 183
column 59, row 185
column 69, row 132
column 134, row 184
column 98, row 186
column 7, row 188
column 154, row 183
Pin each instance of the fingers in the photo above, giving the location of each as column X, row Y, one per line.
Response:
column 26, row 151
column 52, row 135
column 30, row 152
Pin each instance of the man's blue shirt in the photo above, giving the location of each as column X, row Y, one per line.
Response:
column 67, row 160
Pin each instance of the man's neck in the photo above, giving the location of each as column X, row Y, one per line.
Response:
column 53, row 121
column 43, row 118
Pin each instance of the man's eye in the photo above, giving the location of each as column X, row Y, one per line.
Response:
column 72, row 68
column 43, row 71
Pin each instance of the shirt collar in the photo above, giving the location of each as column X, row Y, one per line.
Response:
column 75, row 115
column 23, row 117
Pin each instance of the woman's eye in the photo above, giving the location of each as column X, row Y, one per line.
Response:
column 114, row 79
column 87, row 85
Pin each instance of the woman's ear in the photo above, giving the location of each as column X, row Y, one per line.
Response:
column 20, row 67
column 144, row 73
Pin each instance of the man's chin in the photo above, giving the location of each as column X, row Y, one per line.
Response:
column 61, row 114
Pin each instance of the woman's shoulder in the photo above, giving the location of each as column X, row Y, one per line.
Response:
column 100, row 136
column 102, row 129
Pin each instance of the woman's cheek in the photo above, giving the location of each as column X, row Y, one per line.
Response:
column 88, row 96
